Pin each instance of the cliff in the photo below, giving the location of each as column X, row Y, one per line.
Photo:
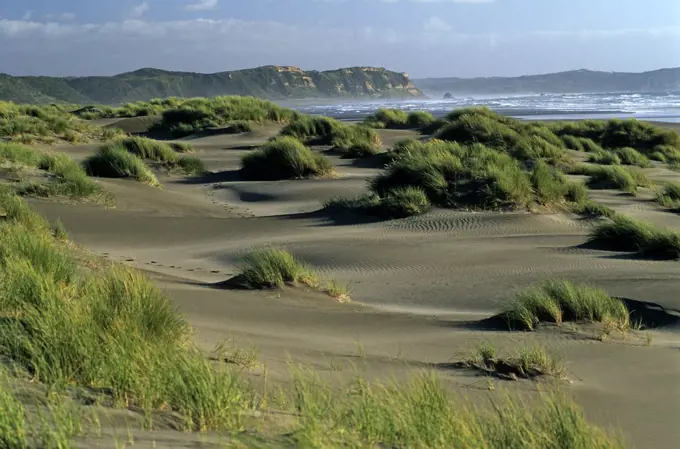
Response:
column 271, row 82
column 575, row 81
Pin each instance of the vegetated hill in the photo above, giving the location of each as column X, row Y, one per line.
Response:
column 272, row 82
column 562, row 82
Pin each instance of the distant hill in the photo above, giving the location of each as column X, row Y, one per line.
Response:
column 563, row 82
column 272, row 82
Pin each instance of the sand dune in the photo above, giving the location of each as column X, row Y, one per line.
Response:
column 415, row 282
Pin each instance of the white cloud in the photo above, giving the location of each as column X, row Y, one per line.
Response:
column 202, row 5
column 139, row 10
column 27, row 15
column 61, row 16
column 47, row 47
column 436, row 25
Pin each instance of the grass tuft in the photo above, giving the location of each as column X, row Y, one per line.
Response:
column 669, row 196
column 626, row 234
column 275, row 268
column 530, row 362
column 559, row 301
column 284, row 158
column 113, row 161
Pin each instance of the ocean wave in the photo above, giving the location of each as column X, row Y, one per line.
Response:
column 623, row 104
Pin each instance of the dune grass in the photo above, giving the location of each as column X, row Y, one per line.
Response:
column 47, row 124
column 604, row 157
column 183, row 117
column 669, row 196
column 418, row 413
column 350, row 140
column 270, row 267
column 631, row 156
column 529, row 362
column 284, row 158
column 106, row 327
column 114, row 161
column 66, row 178
column 643, row 239
column 163, row 153
column 473, row 177
column 398, row 119
column 103, row 328
column 558, row 301
column 591, row 209
column 617, row 177
column 615, row 133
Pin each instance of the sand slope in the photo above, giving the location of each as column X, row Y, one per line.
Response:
column 415, row 282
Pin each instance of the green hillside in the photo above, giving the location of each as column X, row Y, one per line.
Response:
column 574, row 81
column 272, row 82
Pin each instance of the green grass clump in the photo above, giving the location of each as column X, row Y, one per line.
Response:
column 13, row 432
column 604, row 157
column 70, row 179
column 313, row 129
column 480, row 128
column 66, row 177
column 630, row 156
column 183, row 117
column 356, row 141
column 625, row 234
column 113, row 161
column 665, row 153
column 529, row 362
column 349, row 140
column 560, row 301
column 107, row 328
column 47, row 123
column 591, row 209
column 19, row 154
column 276, row 268
column 460, row 177
column 669, row 196
column 161, row 152
column 523, row 141
column 284, row 158
column 617, row 177
column 644, row 137
column 272, row 268
column 404, row 202
column 398, row 119
column 400, row 202
column 420, row 413
column 151, row 149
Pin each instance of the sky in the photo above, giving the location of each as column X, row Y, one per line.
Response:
column 424, row 38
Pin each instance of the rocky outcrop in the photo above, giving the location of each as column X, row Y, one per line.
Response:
column 272, row 82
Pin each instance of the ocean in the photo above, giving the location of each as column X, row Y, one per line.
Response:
column 663, row 107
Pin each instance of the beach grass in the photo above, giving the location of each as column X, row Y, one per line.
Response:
column 628, row 235
column 108, row 328
column 558, row 301
column 669, row 196
column 397, row 119
column 114, row 161
column 66, row 178
column 271, row 267
column 419, row 413
column 284, row 158
column 529, row 362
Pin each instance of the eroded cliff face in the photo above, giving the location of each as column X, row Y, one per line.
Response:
column 274, row 82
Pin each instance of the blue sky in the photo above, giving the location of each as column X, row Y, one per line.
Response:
column 421, row 37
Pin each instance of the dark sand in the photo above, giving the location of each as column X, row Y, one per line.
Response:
column 416, row 282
